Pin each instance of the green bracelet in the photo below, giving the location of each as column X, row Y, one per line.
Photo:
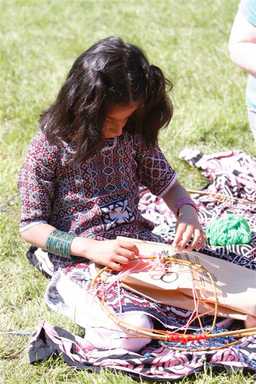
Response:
column 59, row 243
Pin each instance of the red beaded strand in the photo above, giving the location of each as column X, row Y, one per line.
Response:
column 185, row 338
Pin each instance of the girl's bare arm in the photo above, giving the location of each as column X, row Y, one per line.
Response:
column 110, row 253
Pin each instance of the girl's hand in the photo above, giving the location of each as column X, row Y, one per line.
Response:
column 188, row 229
column 111, row 253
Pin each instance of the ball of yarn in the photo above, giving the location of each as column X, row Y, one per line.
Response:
column 228, row 231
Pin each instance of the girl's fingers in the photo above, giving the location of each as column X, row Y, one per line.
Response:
column 186, row 237
column 129, row 246
column 185, row 233
column 126, row 253
column 114, row 266
column 117, row 262
column 179, row 234
column 121, row 259
column 199, row 240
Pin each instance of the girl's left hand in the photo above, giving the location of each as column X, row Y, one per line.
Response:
column 189, row 233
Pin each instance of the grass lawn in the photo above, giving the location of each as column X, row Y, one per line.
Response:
column 39, row 42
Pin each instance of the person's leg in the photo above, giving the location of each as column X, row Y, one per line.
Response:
column 250, row 322
column 105, row 338
column 252, row 122
column 69, row 298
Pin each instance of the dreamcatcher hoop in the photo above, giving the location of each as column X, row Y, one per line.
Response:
column 221, row 197
column 100, row 281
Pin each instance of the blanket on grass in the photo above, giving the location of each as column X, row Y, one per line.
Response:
column 232, row 173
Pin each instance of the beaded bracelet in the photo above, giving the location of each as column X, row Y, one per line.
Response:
column 59, row 243
column 184, row 201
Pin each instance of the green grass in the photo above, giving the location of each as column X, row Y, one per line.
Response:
column 39, row 42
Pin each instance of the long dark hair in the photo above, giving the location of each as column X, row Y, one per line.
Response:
column 109, row 73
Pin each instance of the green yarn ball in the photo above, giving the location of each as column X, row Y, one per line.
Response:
column 228, row 231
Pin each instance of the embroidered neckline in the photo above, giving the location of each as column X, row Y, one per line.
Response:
column 109, row 143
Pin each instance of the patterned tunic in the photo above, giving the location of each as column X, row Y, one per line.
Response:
column 97, row 198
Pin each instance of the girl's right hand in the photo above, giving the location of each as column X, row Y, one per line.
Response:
column 110, row 253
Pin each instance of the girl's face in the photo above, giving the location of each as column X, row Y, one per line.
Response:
column 116, row 119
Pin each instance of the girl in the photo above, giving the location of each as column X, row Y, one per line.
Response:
column 96, row 145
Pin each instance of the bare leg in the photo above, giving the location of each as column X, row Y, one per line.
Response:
column 108, row 338
column 252, row 122
column 250, row 322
